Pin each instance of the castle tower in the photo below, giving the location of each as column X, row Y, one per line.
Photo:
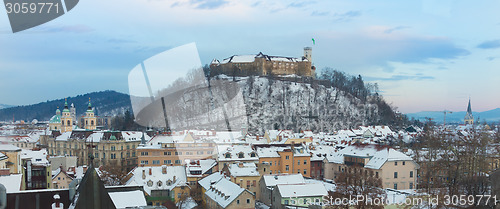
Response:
column 66, row 119
column 90, row 120
column 308, row 53
column 469, row 119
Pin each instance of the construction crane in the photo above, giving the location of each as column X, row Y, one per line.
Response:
column 444, row 113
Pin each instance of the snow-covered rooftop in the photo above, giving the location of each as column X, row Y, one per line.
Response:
column 221, row 190
column 273, row 180
column 128, row 199
column 302, row 190
column 158, row 177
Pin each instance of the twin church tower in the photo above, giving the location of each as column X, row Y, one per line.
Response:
column 66, row 121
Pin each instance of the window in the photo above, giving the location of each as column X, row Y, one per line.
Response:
column 395, row 186
column 156, row 162
column 286, row 202
column 395, row 175
column 113, row 156
column 287, row 168
column 404, row 162
column 254, row 183
column 237, row 202
column 298, row 162
column 287, row 157
column 248, row 201
column 167, row 162
column 240, row 155
column 411, row 185
column 252, row 154
column 396, row 163
column 271, row 163
column 305, row 162
column 112, row 148
column 411, row 174
column 305, row 171
column 298, row 170
column 177, row 162
column 248, row 184
column 339, row 168
column 376, row 174
column 133, row 154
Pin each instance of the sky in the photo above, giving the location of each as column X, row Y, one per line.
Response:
column 425, row 55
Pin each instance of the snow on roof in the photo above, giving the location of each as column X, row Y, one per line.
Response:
column 328, row 186
column 302, row 190
column 37, row 157
column 8, row 147
column 237, row 152
column 159, row 139
column 223, row 191
column 128, row 199
column 246, row 169
column 155, row 179
column 205, row 182
column 273, row 151
column 239, row 59
column 377, row 155
column 95, row 137
column 318, row 152
column 64, row 136
column 12, row 182
column 134, row 136
column 273, row 180
column 199, row 165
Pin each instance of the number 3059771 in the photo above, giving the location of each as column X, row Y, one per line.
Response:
column 32, row 8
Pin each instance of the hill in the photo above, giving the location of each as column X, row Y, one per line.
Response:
column 105, row 103
column 2, row 106
column 457, row 117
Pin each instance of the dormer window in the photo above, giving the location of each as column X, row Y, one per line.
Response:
column 169, row 182
column 228, row 155
column 240, row 155
column 252, row 154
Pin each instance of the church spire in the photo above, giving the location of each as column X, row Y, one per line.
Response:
column 469, row 119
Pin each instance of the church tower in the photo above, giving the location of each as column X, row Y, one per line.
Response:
column 72, row 110
column 469, row 119
column 90, row 118
column 66, row 119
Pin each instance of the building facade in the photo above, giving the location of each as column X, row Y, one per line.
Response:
column 262, row 64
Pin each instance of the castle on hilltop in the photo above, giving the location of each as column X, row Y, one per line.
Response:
column 262, row 64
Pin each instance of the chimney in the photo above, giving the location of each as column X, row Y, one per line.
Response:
column 4, row 172
column 164, row 169
column 174, row 179
column 150, row 171
column 143, row 174
column 240, row 165
column 57, row 202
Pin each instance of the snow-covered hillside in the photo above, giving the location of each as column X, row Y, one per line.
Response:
column 285, row 104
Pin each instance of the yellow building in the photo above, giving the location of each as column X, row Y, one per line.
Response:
column 220, row 193
column 163, row 150
column 13, row 161
column 90, row 120
column 285, row 158
column 394, row 168
column 161, row 184
column 262, row 64
column 109, row 147
column 245, row 175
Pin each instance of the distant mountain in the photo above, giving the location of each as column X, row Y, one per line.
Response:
column 457, row 117
column 2, row 106
column 105, row 103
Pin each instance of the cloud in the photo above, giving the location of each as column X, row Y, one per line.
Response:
column 390, row 30
column 417, row 77
column 64, row 29
column 120, row 41
column 298, row 4
column 493, row 44
column 318, row 13
column 491, row 58
column 347, row 16
column 209, row 4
